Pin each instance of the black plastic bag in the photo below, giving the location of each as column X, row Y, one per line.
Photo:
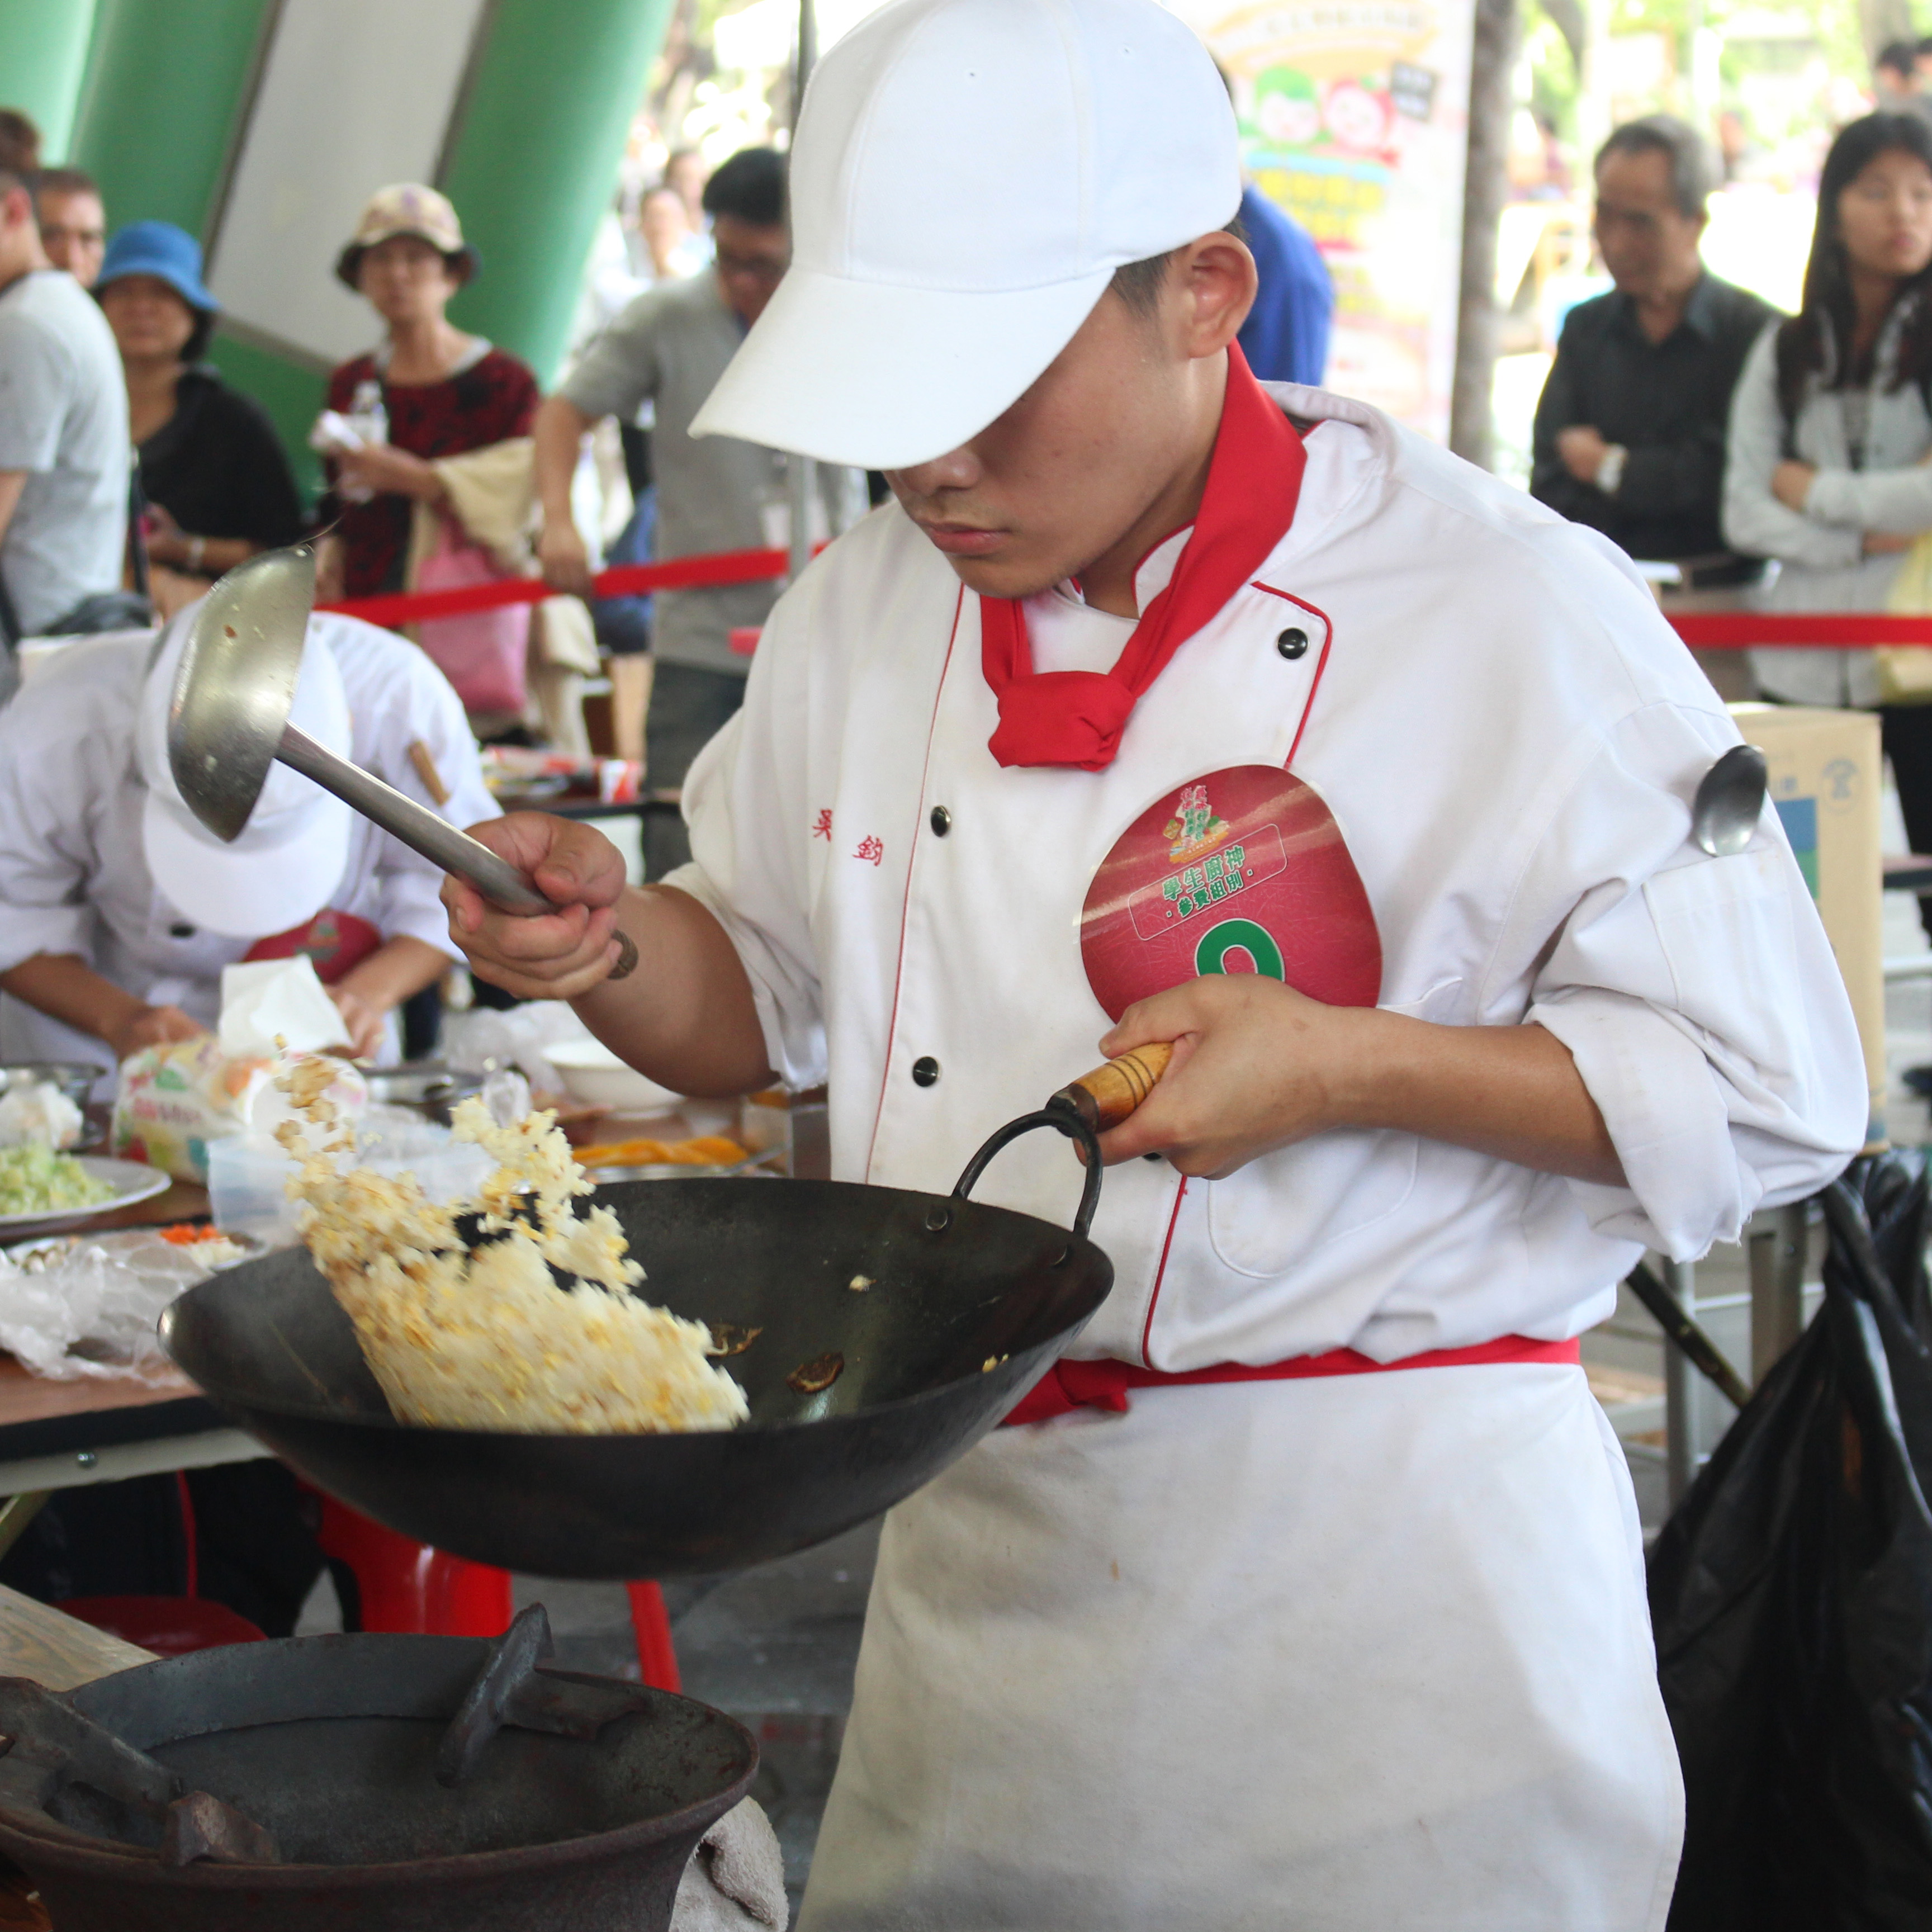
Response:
column 1791, row 1598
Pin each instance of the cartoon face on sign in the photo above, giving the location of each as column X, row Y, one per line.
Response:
column 1242, row 871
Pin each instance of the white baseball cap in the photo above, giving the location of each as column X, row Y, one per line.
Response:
column 966, row 176
column 291, row 855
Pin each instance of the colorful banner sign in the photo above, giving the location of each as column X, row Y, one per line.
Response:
column 1354, row 118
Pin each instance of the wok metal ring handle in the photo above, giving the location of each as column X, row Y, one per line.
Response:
column 1063, row 1119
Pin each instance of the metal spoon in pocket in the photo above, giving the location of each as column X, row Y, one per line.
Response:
column 228, row 722
column 1730, row 802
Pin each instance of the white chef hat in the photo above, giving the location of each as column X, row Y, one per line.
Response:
column 290, row 857
column 966, row 176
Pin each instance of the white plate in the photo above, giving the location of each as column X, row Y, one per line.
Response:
column 131, row 1181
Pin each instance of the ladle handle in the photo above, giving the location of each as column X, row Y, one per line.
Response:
column 418, row 828
column 1105, row 1098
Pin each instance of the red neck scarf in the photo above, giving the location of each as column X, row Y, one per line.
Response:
column 1076, row 717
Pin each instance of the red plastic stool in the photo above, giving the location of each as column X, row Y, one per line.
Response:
column 169, row 1626
column 657, row 1657
column 406, row 1586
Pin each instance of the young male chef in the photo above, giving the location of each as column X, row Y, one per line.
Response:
column 1315, row 1598
column 118, row 909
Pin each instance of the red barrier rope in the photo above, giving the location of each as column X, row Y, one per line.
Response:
column 625, row 580
column 1797, row 630
column 1702, row 630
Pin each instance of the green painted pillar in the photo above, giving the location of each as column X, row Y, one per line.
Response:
column 166, row 85
column 43, row 55
column 165, row 82
column 535, row 161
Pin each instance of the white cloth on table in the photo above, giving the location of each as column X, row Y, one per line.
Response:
column 735, row 1882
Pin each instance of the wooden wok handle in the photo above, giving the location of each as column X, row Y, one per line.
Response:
column 1105, row 1098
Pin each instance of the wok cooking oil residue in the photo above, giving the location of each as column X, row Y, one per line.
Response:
column 814, row 1377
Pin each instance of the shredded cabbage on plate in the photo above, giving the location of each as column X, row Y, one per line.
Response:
column 34, row 1180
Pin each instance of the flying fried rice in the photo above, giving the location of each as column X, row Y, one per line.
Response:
column 512, row 1312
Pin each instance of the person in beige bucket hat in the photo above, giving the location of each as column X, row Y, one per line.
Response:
column 428, row 391
column 408, row 207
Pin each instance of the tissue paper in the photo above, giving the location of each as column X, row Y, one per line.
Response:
column 269, row 1004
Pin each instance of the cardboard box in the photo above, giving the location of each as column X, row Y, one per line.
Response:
column 1827, row 780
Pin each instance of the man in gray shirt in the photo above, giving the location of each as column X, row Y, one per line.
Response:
column 669, row 347
column 63, row 451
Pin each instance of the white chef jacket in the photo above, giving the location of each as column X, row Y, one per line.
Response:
column 1511, row 762
column 74, row 876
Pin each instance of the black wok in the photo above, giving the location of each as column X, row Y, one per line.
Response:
column 969, row 1305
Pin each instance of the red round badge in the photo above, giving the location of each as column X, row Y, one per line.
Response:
column 1243, row 871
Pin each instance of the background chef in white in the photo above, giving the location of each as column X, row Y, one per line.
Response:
column 118, row 910
column 1301, row 1647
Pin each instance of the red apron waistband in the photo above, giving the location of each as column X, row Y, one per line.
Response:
column 1104, row 1384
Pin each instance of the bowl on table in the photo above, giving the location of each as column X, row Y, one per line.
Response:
column 73, row 1078
column 425, row 1087
column 591, row 1073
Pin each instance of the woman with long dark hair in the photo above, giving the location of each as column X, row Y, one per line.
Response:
column 1830, row 427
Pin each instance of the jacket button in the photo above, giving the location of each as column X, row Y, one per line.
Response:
column 925, row 1070
column 1293, row 642
column 942, row 821
column 181, row 929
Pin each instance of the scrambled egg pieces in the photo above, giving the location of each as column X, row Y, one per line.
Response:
column 512, row 1312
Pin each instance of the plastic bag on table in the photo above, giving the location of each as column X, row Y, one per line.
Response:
column 70, row 1307
column 1791, row 1595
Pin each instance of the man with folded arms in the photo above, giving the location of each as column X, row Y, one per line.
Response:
column 1630, row 426
column 1311, row 1595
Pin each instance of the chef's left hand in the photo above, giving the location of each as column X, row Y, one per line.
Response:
column 1256, row 1066
column 364, row 1024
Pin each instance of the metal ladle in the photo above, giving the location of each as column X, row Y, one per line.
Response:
column 1730, row 802
column 228, row 722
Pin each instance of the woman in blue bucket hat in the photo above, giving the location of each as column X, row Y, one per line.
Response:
column 217, row 483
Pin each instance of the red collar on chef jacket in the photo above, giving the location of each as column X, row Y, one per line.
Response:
column 1076, row 717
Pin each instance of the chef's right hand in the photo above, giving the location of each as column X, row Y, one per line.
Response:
column 151, row 1026
column 565, row 562
column 554, row 956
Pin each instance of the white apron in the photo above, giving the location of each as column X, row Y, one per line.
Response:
column 1241, row 1657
